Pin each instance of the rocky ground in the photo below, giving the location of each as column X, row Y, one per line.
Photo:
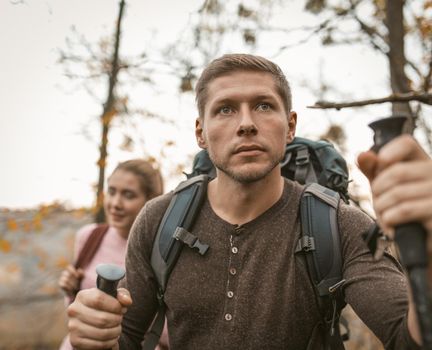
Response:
column 35, row 245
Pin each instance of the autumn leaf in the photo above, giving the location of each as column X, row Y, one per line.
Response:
column 5, row 246
column 80, row 213
column 127, row 144
column 62, row 262
column 179, row 169
column 13, row 268
column 101, row 163
column 44, row 210
column 151, row 160
column 169, row 143
column 49, row 289
column 37, row 222
column 27, row 226
column 108, row 116
column 12, row 225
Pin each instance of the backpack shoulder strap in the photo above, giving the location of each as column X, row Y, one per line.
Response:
column 173, row 233
column 320, row 243
column 175, row 225
column 91, row 246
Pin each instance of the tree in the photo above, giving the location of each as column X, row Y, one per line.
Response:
column 394, row 24
column 386, row 26
column 98, row 67
column 109, row 111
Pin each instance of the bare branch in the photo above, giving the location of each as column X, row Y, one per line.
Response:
column 315, row 31
column 399, row 97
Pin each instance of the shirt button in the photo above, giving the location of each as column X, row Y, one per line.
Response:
column 230, row 294
column 234, row 250
column 232, row 271
column 228, row 317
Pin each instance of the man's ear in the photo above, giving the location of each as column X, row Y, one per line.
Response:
column 199, row 133
column 292, row 124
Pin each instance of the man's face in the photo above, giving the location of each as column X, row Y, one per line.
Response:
column 245, row 126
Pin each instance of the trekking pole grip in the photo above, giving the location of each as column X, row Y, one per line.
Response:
column 411, row 240
column 108, row 277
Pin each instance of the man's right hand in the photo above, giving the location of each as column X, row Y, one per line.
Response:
column 95, row 318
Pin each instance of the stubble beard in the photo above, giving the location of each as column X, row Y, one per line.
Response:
column 246, row 176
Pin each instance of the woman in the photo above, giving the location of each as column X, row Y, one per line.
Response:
column 131, row 184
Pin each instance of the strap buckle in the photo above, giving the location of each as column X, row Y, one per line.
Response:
column 190, row 240
column 305, row 244
column 302, row 157
column 335, row 312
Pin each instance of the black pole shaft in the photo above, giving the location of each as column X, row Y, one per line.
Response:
column 411, row 239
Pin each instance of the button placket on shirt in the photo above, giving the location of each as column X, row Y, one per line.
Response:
column 232, row 274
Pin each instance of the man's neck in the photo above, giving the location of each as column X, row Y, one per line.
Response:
column 239, row 203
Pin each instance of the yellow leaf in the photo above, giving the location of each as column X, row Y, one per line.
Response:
column 12, row 225
column 37, row 222
column 27, row 226
column 61, row 262
column 49, row 289
column 13, row 267
column 108, row 116
column 5, row 246
column 169, row 143
column 151, row 160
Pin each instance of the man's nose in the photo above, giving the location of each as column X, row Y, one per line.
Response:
column 247, row 124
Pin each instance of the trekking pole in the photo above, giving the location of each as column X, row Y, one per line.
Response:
column 411, row 240
column 108, row 277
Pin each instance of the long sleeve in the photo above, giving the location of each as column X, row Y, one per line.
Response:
column 140, row 280
column 377, row 290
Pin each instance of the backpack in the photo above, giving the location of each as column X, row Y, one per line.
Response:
column 324, row 171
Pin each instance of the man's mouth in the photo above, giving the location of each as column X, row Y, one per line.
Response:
column 249, row 150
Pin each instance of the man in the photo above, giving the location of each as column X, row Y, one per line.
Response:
column 250, row 290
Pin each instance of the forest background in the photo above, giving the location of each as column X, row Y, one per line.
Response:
column 87, row 84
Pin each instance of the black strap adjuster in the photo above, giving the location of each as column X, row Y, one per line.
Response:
column 305, row 244
column 302, row 157
column 190, row 240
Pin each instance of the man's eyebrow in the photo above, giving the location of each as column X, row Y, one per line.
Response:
column 228, row 100
column 224, row 100
column 264, row 97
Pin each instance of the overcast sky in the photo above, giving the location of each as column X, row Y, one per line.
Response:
column 43, row 152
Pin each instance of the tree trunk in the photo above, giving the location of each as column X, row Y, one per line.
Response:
column 396, row 55
column 109, row 111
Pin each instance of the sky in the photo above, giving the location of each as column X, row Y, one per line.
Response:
column 46, row 156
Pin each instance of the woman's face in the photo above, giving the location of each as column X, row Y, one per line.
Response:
column 123, row 200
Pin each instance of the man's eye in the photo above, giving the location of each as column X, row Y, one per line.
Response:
column 263, row 107
column 225, row 110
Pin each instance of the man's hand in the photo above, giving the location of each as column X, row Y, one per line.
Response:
column 401, row 183
column 70, row 279
column 95, row 318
